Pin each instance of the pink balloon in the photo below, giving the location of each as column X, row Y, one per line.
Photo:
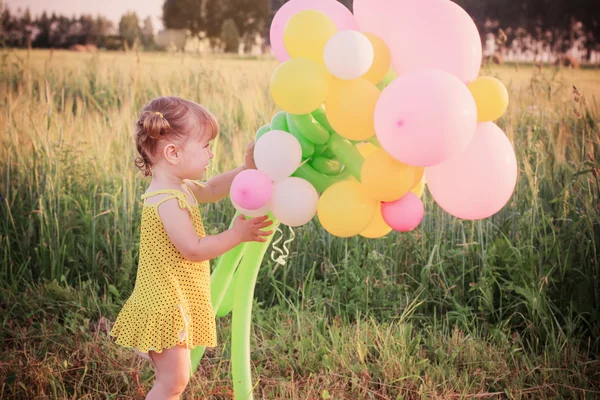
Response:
column 251, row 189
column 477, row 183
column 341, row 16
column 405, row 214
column 374, row 16
column 424, row 118
column 435, row 34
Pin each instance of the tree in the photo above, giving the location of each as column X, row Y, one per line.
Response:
column 101, row 28
column 148, row 33
column 9, row 30
column 43, row 37
column 129, row 28
column 250, row 16
column 230, row 36
column 186, row 14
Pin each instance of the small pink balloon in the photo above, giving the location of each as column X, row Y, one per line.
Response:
column 478, row 182
column 341, row 16
column 436, row 34
column 405, row 214
column 423, row 118
column 251, row 189
column 374, row 16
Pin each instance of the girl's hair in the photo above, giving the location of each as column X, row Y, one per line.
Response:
column 167, row 118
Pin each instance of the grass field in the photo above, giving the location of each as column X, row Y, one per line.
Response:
column 504, row 308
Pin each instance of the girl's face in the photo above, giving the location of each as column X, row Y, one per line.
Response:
column 195, row 157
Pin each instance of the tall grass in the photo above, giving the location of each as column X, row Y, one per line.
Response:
column 70, row 204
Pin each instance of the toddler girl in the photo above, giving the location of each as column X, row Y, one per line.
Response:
column 170, row 311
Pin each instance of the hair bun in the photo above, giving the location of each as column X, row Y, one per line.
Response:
column 155, row 124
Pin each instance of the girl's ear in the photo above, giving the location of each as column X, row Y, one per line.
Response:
column 171, row 154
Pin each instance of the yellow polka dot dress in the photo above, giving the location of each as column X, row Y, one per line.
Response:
column 170, row 304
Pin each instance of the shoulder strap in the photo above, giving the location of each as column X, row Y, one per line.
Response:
column 174, row 194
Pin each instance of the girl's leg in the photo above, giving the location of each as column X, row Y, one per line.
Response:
column 172, row 373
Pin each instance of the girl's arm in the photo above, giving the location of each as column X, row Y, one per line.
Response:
column 180, row 229
column 218, row 187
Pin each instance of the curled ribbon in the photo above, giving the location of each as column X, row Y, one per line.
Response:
column 285, row 253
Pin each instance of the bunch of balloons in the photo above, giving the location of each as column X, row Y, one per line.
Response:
column 375, row 106
column 369, row 151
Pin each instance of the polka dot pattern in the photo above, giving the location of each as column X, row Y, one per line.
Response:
column 171, row 303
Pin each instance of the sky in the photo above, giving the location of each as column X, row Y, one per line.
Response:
column 112, row 9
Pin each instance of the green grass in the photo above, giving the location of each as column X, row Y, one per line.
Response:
column 55, row 346
column 507, row 305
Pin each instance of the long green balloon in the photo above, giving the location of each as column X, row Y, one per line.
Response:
column 321, row 117
column 227, row 303
column 375, row 142
column 242, row 317
column 223, row 283
column 279, row 121
column 219, row 283
column 347, row 153
column 326, row 165
column 320, row 149
column 308, row 148
column 320, row 181
column 310, row 128
column 261, row 131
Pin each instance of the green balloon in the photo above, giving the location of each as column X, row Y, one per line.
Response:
column 328, row 153
column 220, row 281
column 320, row 149
column 227, row 303
column 310, row 128
column 375, row 142
column 320, row 181
column 261, row 131
column 347, row 153
column 308, row 149
column 387, row 79
column 320, row 115
column 242, row 318
column 327, row 166
column 279, row 122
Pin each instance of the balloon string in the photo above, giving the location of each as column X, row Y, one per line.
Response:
column 285, row 253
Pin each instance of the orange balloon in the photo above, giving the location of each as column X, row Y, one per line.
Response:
column 366, row 149
column 378, row 227
column 382, row 59
column 385, row 178
column 419, row 189
column 345, row 210
column 350, row 108
column 419, row 173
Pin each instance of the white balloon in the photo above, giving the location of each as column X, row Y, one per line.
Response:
column 348, row 55
column 278, row 154
column 252, row 213
column 294, row 201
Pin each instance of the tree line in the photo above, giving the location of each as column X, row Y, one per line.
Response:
column 557, row 22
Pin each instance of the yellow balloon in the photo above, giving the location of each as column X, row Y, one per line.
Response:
column 419, row 173
column 306, row 34
column 384, row 178
column 300, row 85
column 366, row 149
column 381, row 60
column 350, row 108
column 419, row 189
column 491, row 98
column 378, row 227
column 345, row 210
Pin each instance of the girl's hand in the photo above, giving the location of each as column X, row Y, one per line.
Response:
column 249, row 163
column 250, row 230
